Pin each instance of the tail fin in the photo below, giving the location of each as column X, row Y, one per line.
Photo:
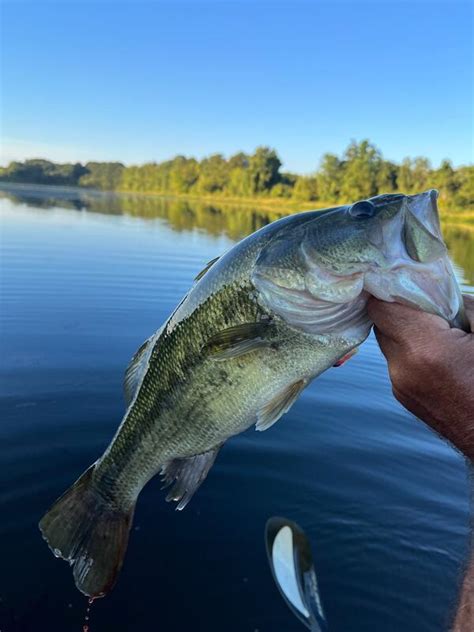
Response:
column 88, row 532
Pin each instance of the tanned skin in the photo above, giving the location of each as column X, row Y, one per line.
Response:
column 431, row 367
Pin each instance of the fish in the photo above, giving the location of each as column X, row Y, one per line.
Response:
column 258, row 325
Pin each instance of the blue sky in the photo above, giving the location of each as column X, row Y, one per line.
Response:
column 141, row 81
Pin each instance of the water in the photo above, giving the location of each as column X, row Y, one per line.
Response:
column 85, row 278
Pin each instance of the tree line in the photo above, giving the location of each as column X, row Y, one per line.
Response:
column 360, row 172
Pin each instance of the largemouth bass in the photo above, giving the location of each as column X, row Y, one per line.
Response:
column 258, row 326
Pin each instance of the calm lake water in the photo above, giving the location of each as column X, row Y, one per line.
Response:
column 85, row 278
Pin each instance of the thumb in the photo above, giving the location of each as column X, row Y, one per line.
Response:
column 402, row 323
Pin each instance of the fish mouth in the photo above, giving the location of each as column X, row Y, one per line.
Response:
column 418, row 272
column 432, row 289
column 424, row 206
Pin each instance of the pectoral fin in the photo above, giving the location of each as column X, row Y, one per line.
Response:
column 236, row 341
column 279, row 405
column 187, row 475
column 346, row 357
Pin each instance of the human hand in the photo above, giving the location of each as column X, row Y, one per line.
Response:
column 431, row 367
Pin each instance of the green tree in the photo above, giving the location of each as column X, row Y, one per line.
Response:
column 387, row 177
column 464, row 196
column 39, row 171
column 213, row 174
column 102, row 175
column 421, row 173
column 329, row 178
column 444, row 179
column 306, row 188
column 240, row 183
column 362, row 164
column 239, row 161
column 263, row 169
column 360, row 172
column 405, row 176
column 414, row 175
column 184, row 173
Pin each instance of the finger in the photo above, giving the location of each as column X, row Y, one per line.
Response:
column 469, row 308
column 387, row 345
column 401, row 322
column 398, row 361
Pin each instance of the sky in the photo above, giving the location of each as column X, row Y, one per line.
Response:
column 144, row 81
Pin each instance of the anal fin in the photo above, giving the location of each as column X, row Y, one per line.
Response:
column 271, row 412
column 186, row 475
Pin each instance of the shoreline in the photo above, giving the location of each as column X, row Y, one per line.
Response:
column 265, row 203
column 462, row 217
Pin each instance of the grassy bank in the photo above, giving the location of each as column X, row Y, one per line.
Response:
column 282, row 206
column 279, row 206
column 463, row 219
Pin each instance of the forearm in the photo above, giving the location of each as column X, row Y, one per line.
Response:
column 464, row 621
column 431, row 368
column 447, row 424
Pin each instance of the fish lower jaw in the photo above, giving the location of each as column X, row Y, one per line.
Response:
column 436, row 294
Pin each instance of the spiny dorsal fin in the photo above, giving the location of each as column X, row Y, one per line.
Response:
column 235, row 341
column 279, row 405
column 208, row 265
column 187, row 475
column 138, row 367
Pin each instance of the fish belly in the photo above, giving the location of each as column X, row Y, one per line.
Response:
column 220, row 399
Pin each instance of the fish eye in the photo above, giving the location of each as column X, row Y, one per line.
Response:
column 362, row 210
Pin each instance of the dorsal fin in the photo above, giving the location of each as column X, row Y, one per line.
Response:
column 279, row 405
column 187, row 475
column 138, row 367
column 208, row 265
column 239, row 339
